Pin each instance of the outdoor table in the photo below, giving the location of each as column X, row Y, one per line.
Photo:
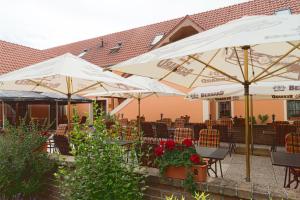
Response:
column 214, row 155
column 287, row 160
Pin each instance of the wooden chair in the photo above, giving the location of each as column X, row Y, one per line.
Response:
column 292, row 145
column 147, row 129
column 182, row 133
column 167, row 121
column 210, row 123
column 179, row 123
column 62, row 144
column 225, row 121
column 209, row 138
column 61, row 129
column 162, row 130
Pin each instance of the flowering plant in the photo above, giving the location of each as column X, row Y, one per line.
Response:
column 168, row 153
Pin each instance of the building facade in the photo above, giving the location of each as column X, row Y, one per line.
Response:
column 113, row 48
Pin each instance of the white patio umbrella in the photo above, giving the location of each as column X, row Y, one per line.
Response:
column 66, row 74
column 148, row 87
column 260, row 90
column 245, row 51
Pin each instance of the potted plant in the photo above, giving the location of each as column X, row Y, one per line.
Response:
column 180, row 161
column 263, row 118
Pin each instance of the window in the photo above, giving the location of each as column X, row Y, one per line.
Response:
column 293, row 108
column 157, row 38
column 285, row 11
column 224, row 108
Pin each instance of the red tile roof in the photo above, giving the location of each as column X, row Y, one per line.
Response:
column 136, row 41
column 14, row 56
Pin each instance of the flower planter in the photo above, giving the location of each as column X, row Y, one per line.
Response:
column 176, row 172
column 199, row 172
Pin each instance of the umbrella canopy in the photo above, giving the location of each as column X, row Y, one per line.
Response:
column 67, row 75
column 14, row 95
column 148, row 87
column 216, row 56
column 261, row 90
column 245, row 51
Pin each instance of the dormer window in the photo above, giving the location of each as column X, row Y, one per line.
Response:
column 285, row 11
column 83, row 53
column 156, row 39
column 116, row 48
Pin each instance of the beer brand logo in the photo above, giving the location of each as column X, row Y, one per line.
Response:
column 279, row 88
column 294, row 87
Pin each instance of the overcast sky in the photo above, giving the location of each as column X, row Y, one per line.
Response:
column 47, row 23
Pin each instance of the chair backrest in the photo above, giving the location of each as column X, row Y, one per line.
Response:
column 225, row 121
column 61, row 129
column 162, row 130
column 62, row 144
column 167, row 121
column 223, row 131
column 209, row 138
column 147, row 129
column 210, row 123
column 296, row 123
column 196, row 129
column 182, row 133
column 123, row 121
column 281, row 131
column 180, row 122
column 238, row 122
column 292, row 143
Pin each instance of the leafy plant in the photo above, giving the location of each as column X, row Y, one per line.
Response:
column 100, row 170
column 171, row 154
column 253, row 120
column 197, row 196
column 24, row 166
column 263, row 118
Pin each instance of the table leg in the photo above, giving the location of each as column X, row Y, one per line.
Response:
column 285, row 176
column 216, row 168
column 289, row 175
column 221, row 168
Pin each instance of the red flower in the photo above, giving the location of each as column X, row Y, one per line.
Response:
column 162, row 143
column 159, row 151
column 187, row 142
column 195, row 158
column 170, row 144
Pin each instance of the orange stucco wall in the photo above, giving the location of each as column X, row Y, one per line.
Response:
column 262, row 107
column 171, row 107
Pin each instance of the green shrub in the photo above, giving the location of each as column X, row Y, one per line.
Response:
column 23, row 165
column 263, row 118
column 100, row 170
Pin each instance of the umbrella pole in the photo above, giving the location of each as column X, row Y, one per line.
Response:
column 251, row 123
column 139, row 116
column 246, row 90
column 69, row 112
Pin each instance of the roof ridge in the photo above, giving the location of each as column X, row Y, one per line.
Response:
column 20, row 45
column 108, row 34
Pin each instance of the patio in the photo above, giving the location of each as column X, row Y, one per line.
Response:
column 266, row 181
